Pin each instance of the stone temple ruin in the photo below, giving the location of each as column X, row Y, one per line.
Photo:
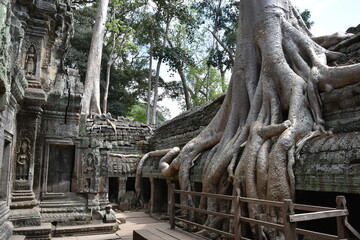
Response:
column 57, row 167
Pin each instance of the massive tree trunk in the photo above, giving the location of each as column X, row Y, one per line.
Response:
column 91, row 97
column 272, row 103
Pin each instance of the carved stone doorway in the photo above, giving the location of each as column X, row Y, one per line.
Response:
column 60, row 168
column 114, row 189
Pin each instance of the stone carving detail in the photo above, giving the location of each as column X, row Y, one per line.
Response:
column 47, row 56
column 23, row 160
column 30, row 63
column 89, row 171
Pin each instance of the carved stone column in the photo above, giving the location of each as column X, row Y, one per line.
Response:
column 23, row 197
column 103, row 189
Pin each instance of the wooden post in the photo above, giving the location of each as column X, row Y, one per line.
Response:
column 168, row 184
column 152, row 196
column 237, row 214
column 340, row 221
column 289, row 227
column 171, row 206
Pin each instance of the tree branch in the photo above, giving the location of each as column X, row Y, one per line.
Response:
column 231, row 54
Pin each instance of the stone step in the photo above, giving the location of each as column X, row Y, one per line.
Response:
column 88, row 229
column 22, row 191
column 25, row 217
column 22, row 198
column 62, row 210
column 61, row 204
column 34, row 232
column 65, row 217
column 17, row 237
column 23, row 204
column 17, row 193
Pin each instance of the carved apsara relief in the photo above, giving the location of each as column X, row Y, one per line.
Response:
column 30, row 62
column 23, row 160
column 89, row 171
column 30, row 56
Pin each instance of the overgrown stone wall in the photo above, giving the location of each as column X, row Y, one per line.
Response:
column 186, row 126
column 122, row 136
column 330, row 164
column 5, row 145
column 4, row 53
column 326, row 163
column 342, row 106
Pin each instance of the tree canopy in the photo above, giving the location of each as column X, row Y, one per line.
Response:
column 199, row 48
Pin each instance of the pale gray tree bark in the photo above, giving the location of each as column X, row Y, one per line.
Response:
column 91, row 97
column 156, row 86
column 148, row 98
column 183, row 80
column 272, row 104
column 112, row 58
column 110, row 62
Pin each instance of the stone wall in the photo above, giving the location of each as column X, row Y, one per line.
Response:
column 5, row 115
column 39, row 103
column 330, row 164
column 121, row 135
column 186, row 126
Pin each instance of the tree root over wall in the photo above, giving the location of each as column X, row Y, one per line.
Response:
column 272, row 106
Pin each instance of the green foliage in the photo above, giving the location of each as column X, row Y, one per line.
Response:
column 78, row 53
column 220, row 17
column 306, row 15
column 138, row 113
column 131, row 27
column 205, row 82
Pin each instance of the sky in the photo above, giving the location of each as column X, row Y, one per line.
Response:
column 329, row 16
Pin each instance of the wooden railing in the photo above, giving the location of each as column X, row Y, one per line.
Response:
column 290, row 218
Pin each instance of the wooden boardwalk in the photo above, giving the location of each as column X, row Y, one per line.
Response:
column 160, row 229
column 143, row 222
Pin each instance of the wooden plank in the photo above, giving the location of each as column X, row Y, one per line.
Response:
column 178, row 233
column 263, row 223
column 289, row 227
column 237, row 214
column 226, row 234
column 315, row 234
column 352, row 230
column 262, row 201
column 225, row 197
column 311, row 208
column 317, row 215
column 225, row 215
column 172, row 206
column 147, row 235
column 169, row 235
column 340, row 220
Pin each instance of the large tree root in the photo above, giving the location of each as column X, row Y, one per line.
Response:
column 272, row 107
column 157, row 153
